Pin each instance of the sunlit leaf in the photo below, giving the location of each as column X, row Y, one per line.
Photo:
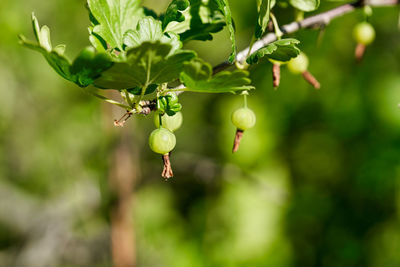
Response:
column 150, row 30
column 263, row 7
column 149, row 63
column 282, row 50
column 175, row 12
column 202, row 19
column 113, row 18
column 87, row 66
column 225, row 9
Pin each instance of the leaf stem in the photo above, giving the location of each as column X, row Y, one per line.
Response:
column 137, row 104
column 253, row 39
column 158, row 109
column 278, row 31
column 128, row 98
column 111, row 101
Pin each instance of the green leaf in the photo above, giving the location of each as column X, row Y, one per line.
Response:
column 263, row 7
column 175, row 12
column 149, row 30
column 201, row 20
column 112, row 18
column 149, row 63
column 197, row 78
column 83, row 71
column 169, row 104
column 88, row 66
column 282, row 50
column 138, row 90
column 96, row 41
column 305, row 5
column 224, row 8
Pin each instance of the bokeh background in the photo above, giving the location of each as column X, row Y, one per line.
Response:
column 315, row 183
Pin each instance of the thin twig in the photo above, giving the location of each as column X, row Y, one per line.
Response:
column 317, row 20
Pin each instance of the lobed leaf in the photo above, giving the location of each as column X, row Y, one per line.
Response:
column 199, row 19
column 112, row 18
column 149, row 63
column 197, row 78
column 282, row 50
column 225, row 9
column 175, row 12
column 149, row 30
column 263, row 8
column 87, row 66
column 202, row 18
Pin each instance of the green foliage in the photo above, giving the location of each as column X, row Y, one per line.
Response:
column 169, row 104
column 114, row 18
column 86, row 67
column 175, row 12
column 263, row 7
column 282, row 50
column 305, row 5
column 138, row 90
column 205, row 18
column 224, row 7
column 315, row 182
column 149, row 30
column 197, row 78
column 149, row 63
column 137, row 52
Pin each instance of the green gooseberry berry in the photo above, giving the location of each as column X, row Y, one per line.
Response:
column 298, row 64
column 243, row 118
column 162, row 141
column 171, row 123
column 364, row 33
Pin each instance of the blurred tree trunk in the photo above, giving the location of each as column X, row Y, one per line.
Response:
column 123, row 175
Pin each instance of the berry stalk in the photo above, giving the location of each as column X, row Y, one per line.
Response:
column 311, row 79
column 359, row 52
column 236, row 141
column 276, row 75
column 167, row 170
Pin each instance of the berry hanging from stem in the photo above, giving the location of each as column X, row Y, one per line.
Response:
column 299, row 65
column 243, row 118
column 364, row 35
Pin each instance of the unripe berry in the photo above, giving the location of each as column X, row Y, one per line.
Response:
column 162, row 141
column 171, row 123
column 298, row 64
column 364, row 33
column 243, row 118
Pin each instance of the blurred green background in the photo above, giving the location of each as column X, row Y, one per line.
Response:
column 315, row 183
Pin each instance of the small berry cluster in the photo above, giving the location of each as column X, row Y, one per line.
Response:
column 162, row 140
